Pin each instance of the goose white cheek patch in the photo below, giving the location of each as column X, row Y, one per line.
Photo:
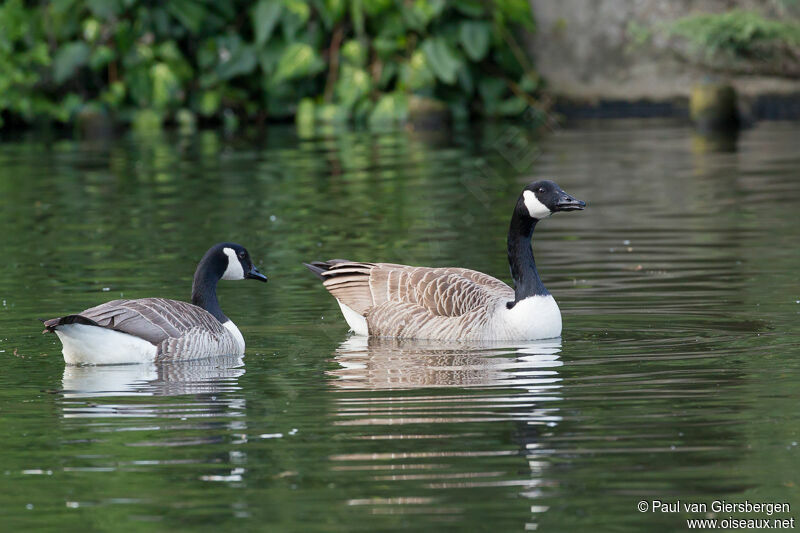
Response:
column 234, row 270
column 535, row 208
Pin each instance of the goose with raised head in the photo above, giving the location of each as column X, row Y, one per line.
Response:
column 388, row 300
column 156, row 329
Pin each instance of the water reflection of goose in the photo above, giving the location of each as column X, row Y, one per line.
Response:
column 461, row 435
column 141, row 413
column 205, row 377
column 375, row 363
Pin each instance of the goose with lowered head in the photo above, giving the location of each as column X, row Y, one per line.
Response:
column 389, row 300
column 156, row 329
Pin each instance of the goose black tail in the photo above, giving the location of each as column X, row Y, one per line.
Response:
column 51, row 325
column 318, row 268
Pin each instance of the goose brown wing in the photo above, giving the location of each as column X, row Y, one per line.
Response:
column 447, row 292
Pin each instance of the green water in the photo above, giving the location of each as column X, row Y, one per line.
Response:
column 676, row 378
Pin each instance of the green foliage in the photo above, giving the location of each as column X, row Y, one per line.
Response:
column 265, row 16
column 180, row 61
column 638, row 34
column 740, row 35
column 474, row 37
column 389, row 109
column 443, row 59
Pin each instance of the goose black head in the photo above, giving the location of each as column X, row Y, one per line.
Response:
column 232, row 261
column 541, row 199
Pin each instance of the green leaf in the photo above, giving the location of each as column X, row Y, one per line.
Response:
column 269, row 55
column 330, row 11
column 114, row 94
column 420, row 13
column 190, row 13
column 147, row 121
column 101, row 56
column 474, row 37
column 442, row 59
column 105, row 9
column 353, row 84
column 386, row 46
column 241, row 64
column 68, row 59
column 357, row 16
column 297, row 61
column 91, row 30
column 354, row 52
column 415, row 73
column 187, row 121
column 209, row 102
column 165, row 85
column 304, row 117
column 390, row 109
column 238, row 58
column 391, row 37
column 331, row 114
column 265, row 15
column 295, row 15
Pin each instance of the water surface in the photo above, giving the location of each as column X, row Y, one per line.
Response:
column 676, row 377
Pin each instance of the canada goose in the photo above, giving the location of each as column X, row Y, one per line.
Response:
column 154, row 329
column 387, row 300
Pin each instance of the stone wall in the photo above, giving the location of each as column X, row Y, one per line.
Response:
column 589, row 51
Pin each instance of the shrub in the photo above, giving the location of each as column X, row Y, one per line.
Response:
column 742, row 40
column 344, row 59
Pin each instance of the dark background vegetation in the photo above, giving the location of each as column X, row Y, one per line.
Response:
column 184, row 61
column 374, row 62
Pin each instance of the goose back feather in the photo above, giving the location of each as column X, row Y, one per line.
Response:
column 416, row 302
column 177, row 330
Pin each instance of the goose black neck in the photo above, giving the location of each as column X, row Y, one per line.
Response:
column 520, row 258
column 204, row 290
